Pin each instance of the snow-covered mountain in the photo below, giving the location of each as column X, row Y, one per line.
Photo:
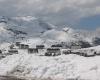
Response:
column 66, row 34
column 29, row 26
column 32, row 27
column 5, row 35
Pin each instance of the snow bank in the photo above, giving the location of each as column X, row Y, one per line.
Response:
column 61, row 67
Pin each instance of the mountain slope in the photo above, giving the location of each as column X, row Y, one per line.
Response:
column 30, row 25
column 5, row 35
column 22, row 27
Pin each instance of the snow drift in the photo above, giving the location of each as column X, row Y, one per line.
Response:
column 62, row 67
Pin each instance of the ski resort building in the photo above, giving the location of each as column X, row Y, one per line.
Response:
column 32, row 50
column 26, row 46
column 40, row 46
column 57, row 46
column 75, row 46
column 53, row 52
column 23, row 46
column 17, row 44
column 66, row 52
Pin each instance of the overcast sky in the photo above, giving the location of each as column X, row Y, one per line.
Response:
column 75, row 13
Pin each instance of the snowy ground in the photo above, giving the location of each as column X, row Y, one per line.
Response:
column 62, row 67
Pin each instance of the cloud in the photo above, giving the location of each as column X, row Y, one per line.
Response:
column 55, row 11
